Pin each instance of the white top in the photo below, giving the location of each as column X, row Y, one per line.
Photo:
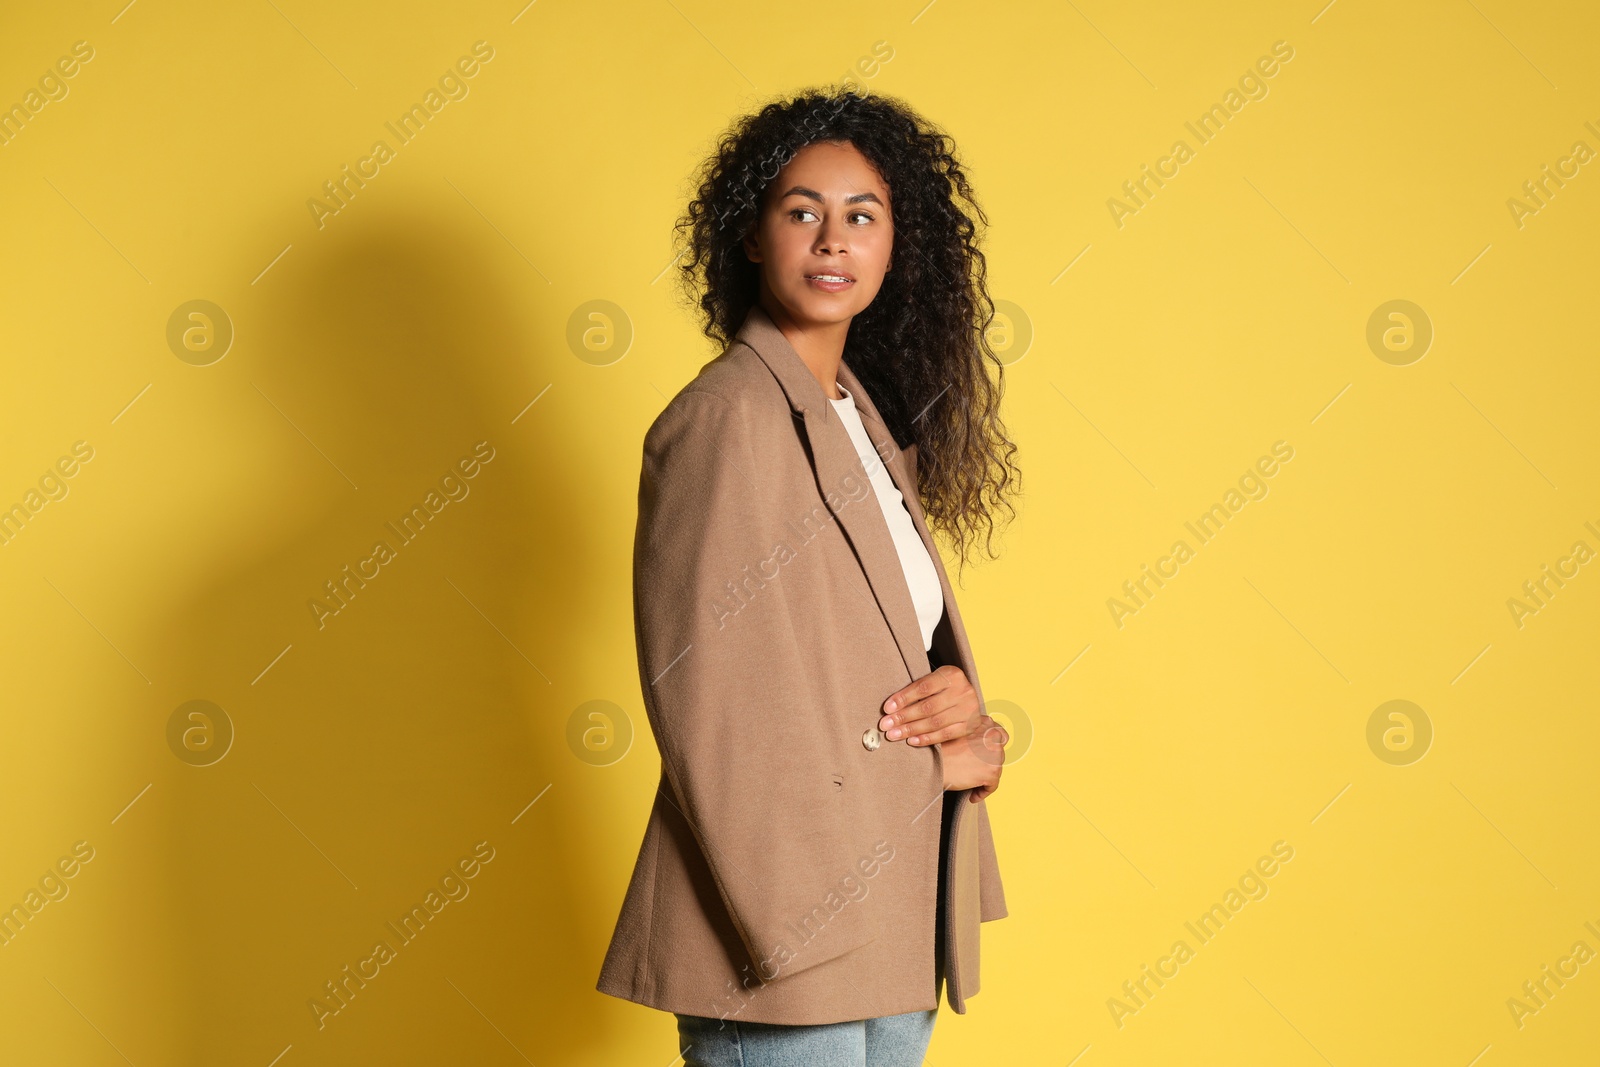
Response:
column 921, row 576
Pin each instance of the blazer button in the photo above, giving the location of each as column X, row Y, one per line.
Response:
column 871, row 739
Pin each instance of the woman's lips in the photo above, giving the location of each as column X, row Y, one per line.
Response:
column 829, row 285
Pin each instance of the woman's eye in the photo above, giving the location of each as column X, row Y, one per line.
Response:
column 797, row 212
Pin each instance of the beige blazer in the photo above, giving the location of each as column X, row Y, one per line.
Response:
column 792, row 868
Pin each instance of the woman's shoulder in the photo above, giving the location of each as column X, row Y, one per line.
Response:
column 734, row 391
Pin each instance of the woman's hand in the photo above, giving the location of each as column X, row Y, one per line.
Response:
column 940, row 706
column 975, row 761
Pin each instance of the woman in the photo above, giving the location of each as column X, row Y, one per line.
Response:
column 806, row 674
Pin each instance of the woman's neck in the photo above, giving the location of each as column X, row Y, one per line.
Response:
column 820, row 345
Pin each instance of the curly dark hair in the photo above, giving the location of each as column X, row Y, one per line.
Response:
column 921, row 346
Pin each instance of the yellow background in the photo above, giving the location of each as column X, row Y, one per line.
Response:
column 370, row 354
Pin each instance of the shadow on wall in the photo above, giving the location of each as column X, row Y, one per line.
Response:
column 420, row 717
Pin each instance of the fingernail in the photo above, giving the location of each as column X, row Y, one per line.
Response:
column 895, row 733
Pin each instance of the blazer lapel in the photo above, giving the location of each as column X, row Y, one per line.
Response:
column 837, row 468
column 903, row 469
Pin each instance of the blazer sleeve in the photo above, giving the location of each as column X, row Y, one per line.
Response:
column 722, row 695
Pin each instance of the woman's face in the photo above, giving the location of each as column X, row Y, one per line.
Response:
column 825, row 213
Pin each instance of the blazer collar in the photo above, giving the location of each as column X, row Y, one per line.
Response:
column 801, row 387
column 835, row 462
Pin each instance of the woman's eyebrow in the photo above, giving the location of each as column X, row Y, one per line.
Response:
column 855, row 198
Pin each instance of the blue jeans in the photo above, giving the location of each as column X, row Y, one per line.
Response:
column 887, row 1041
